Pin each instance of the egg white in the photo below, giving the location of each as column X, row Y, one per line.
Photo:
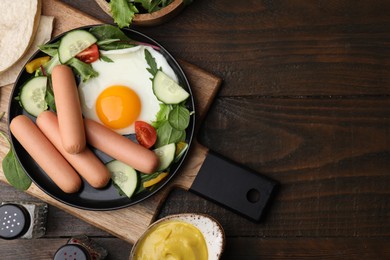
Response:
column 129, row 68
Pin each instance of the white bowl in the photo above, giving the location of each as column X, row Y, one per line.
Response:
column 212, row 231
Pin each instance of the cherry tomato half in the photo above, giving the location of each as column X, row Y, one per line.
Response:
column 89, row 55
column 145, row 134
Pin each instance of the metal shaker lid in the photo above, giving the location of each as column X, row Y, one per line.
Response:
column 71, row 252
column 14, row 221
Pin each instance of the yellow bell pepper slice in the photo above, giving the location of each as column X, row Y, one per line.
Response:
column 179, row 147
column 36, row 63
column 156, row 180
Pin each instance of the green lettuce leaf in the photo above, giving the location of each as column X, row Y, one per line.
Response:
column 122, row 12
column 84, row 70
column 50, row 49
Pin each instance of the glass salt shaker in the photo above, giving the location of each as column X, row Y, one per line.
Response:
column 81, row 247
column 23, row 220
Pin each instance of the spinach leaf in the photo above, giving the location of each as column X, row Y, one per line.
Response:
column 116, row 45
column 179, row 117
column 166, row 134
column 107, row 42
column 107, row 32
column 13, row 171
column 111, row 38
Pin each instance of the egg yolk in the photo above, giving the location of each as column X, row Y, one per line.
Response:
column 118, row 107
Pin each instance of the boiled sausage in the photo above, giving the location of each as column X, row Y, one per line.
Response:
column 120, row 148
column 68, row 107
column 45, row 154
column 85, row 163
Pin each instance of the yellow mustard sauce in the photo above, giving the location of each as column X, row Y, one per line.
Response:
column 172, row 240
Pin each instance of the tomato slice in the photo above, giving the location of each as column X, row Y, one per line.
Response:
column 145, row 134
column 89, row 55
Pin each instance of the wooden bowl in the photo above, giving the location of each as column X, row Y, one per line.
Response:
column 150, row 19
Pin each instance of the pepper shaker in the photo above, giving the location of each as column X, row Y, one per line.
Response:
column 81, row 247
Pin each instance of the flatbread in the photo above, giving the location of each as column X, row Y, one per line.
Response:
column 18, row 23
column 42, row 36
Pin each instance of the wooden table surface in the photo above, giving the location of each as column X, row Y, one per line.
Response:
column 305, row 100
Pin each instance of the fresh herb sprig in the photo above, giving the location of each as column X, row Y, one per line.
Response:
column 152, row 64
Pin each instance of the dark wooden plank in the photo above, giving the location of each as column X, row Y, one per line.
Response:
column 297, row 133
column 330, row 156
column 276, row 48
column 305, row 101
column 323, row 207
column 271, row 248
column 44, row 249
column 308, row 248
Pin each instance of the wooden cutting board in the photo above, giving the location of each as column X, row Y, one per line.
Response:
column 130, row 222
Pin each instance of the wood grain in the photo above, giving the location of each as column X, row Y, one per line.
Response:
column 138, row 217
column 308, row 248
column 25, row 248
column 66, row 18
column 331, row 155
column 287, row 48
column 337, row 249
column 305, row 100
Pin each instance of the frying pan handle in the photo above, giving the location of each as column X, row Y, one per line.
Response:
column 233, row 186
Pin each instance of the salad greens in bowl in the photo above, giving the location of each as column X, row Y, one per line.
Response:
column 142, row 12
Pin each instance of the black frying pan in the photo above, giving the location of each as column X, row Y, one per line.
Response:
column 88, row 197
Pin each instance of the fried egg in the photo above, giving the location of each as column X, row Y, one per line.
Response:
column 123, row 93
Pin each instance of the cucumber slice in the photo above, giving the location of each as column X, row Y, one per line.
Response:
column 73, row 43
column 32, row 95
column 124, row 176
column 166, row 154
column 167, row 90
